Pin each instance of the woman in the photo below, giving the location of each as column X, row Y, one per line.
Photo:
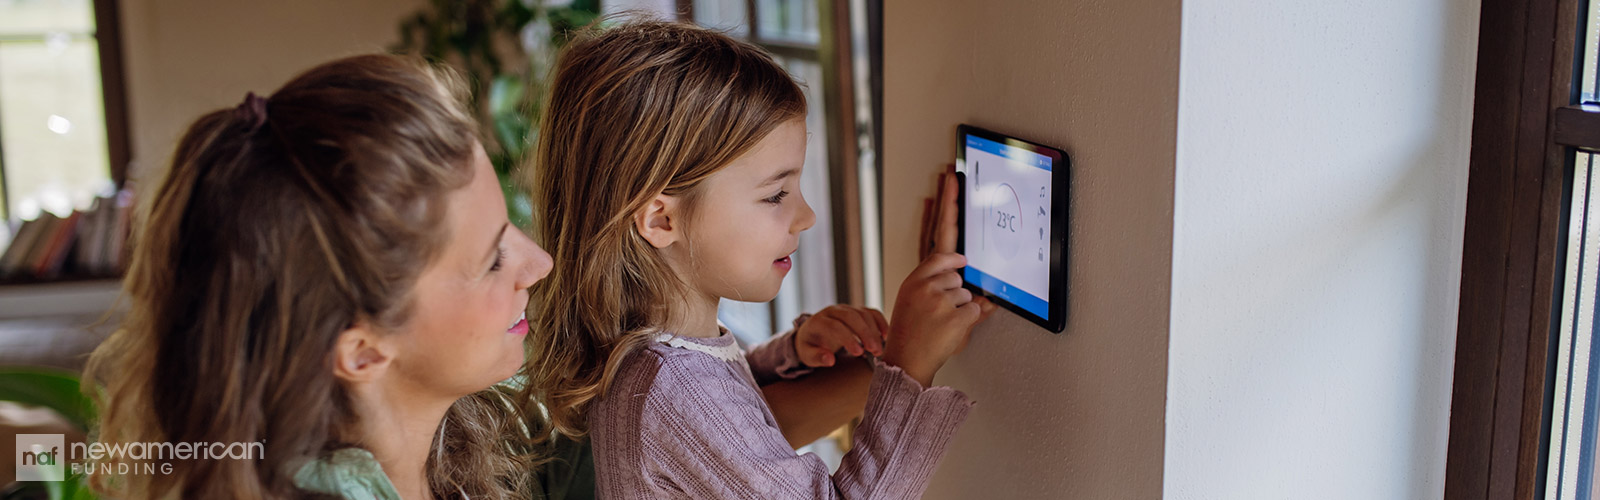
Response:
column 328, row 271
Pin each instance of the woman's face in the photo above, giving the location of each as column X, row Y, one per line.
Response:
column 467, row 326
column 749, row 217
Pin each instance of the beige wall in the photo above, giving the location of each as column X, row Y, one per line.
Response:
column 188, row 57
column 1076, row 415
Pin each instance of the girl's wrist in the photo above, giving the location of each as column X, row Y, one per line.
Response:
column 917, row 371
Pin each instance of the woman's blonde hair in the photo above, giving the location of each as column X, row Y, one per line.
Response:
column 635, row 110
column 280, row 224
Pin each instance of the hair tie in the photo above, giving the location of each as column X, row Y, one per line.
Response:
column 254, row 109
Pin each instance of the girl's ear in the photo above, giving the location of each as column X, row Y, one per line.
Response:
column 361, row 355
column 659, row 222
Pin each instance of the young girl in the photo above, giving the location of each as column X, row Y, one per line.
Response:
column 667, row 178
column 327, row 271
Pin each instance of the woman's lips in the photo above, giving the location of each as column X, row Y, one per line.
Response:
column 520, row 327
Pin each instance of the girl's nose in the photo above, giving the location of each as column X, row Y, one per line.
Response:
column 805, row 219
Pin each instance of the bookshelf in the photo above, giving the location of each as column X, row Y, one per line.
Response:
column 85, row 245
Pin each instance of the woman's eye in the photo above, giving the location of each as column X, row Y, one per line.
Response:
column 499, row 257
column 777, row 198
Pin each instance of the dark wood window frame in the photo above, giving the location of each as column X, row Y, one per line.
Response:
column 113, row 86
column 1524, row 129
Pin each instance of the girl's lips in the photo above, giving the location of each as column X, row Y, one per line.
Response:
column 785, row 263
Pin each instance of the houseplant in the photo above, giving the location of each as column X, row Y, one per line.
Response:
column 505, row 49
column 60, row 391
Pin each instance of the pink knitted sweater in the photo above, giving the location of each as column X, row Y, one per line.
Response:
column 684, row 418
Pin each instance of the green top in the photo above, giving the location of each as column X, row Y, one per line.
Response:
column 355, row 474
column 352, row 473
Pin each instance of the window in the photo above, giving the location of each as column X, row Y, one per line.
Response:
column 1570, row 457
column 1570, row 474
column 62, row 140
column 1524, row 406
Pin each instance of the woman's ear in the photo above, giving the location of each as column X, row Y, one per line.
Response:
column 361, row 355
column 659, row 222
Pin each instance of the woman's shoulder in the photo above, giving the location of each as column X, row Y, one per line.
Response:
column 566, row 468
column 569, row 474
column 352, row 473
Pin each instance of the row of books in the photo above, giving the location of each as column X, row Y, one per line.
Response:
column 83, row 244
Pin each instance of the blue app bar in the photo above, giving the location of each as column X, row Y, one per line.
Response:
column 999, row 288
column 1012, row 153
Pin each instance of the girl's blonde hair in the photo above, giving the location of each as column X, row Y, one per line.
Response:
column 636, row 110
column 280, row 224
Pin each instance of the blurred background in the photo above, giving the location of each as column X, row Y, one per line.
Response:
column 94, row 95
column 1278, row 287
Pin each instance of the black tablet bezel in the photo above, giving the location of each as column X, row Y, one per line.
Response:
column 1060, row 193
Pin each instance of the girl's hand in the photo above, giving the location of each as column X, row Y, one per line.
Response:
column 933, row 314
column 933, row 317
column 855, row 330
column 940, row 216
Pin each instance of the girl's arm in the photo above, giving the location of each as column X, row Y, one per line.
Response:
column 835, row 333
column 812, row 407
column 810, row 403
column 777, row 358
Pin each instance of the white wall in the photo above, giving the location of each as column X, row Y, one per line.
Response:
column 1321, row 187
column 1075, row 415
column 188, row 57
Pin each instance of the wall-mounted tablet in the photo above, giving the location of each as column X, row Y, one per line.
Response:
column 1014, row 223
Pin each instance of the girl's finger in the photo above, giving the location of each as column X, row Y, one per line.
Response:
column 958, row 297
column 870, row 335
column 945, row 234
column 945, row 281
column 846, row 339
column 938, row 263
column 986, row 306
column 821, row 356
column 925, row 234
column 817, row 352
column 837, row 334
column 860, row 327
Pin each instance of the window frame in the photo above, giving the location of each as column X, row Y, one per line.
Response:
column 1524, row 129
column 113, row 86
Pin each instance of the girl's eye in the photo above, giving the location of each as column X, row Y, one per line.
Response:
column 499, row 257
column 777, row 198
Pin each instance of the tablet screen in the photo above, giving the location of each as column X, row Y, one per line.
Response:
column 1007, row 227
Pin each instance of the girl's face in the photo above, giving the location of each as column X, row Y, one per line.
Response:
column 467, row 327
column 748, row 219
